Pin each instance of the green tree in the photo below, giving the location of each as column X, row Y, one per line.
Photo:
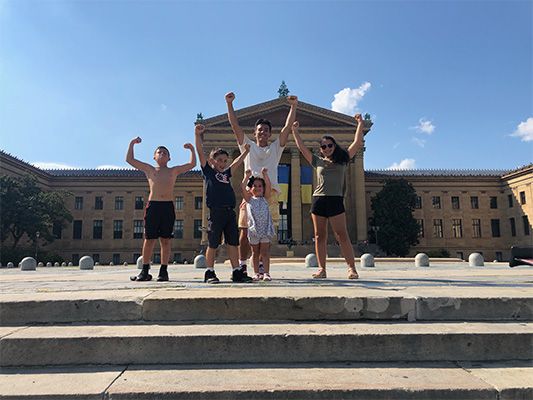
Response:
column 393, row 209
column 26, row 209
column 283, row 90
column 367, row 117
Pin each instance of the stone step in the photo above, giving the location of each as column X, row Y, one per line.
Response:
column 241, row 303
column 442, row 380
column 262, row 341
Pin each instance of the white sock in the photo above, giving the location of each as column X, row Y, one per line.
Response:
column 211, row 269
column 243, row 262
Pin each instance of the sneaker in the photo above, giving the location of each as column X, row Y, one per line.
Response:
column 163, row 277
column 239, row 276
column 210, row 277
column 266, row 277
column 143, row 276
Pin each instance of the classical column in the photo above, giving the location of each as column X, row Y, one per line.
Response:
column 296, row 197
column 360, row 195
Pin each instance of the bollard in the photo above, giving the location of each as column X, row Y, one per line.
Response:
column 200, row 262
column 367, row 260
column 40, row 264
column 311, row 261
column 48, row 264
column 86, row 262
column 28, row 264
column 421, row 260
column 10, row 265
column 125, row 264
column 475, row 260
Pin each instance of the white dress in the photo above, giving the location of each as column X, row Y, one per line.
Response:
column 260, row 222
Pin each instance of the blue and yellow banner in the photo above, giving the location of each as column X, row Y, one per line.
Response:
column 283, row 182
column 306, row 184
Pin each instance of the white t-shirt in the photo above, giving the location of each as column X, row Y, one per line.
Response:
column 263, row 157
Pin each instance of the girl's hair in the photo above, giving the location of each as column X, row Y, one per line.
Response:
column 339, row 156
column 253, row 179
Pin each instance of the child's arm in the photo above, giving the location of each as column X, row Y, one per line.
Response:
column 293, row 101
column 358, row 136
column 180, row 169
column 300, row 143
column 232, row 117
column 235, row 164
column 268, row 184
column 198, row 130
column 244, row 192
column 131, row 160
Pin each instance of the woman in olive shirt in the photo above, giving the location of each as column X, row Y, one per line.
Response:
column 328, row 198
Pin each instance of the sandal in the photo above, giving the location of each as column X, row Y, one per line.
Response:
column 320, row 274
column 256, row 277
column 266, row 277
column 352, row 274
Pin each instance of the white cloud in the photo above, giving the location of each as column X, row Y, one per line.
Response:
column 524, row 130
column 347, row 99
column 163, row 107
column 424, row 127
column 408, row 163
column 49, row 165
column 418, row 142
column 109, row 167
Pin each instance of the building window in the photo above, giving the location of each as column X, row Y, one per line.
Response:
column 420, row 227
column 136, row 257
column 98, row 203
column 78, row 203
column 510, row 198
column 197, row 230
column 116, row 259
column 436, row 202
column 179, row 203
column 495, row 227
column 437, row 228
column 197, row 203
column 157, row 258
column 457, row 228
column 499, row 256
column 476, row 228
column 97, row 229
column 459, row 254
column 474, row 202
column 525, row 220
column 96, row 258
column 455, row 203
column 75, row 259
column 119, row 203
column 283, row 227
column 178, row 229
column 57, row 230
column 522, row 197
column 139, row 203
column 493, row 202
column 418, row 204
column 138, row 229
column 177, row 257
column 513, row 227
column 117, row 229
column 76, row 229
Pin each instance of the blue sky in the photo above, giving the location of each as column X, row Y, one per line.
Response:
column 448, row 83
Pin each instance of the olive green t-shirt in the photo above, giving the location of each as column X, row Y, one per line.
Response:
column 330, row 177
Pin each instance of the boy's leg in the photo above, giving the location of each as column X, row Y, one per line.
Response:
column 214, row 238
column 244, row 244
column 165, row 256
column 233, row 256
column 148, row 247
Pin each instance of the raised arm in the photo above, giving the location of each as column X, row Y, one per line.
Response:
column 235, row 164
column 300, row 143
column 131, row 160
column 268, row 184
column 232, row 117
column 244, row 192
column 198, row 130
column 352, row 149
column 293, row 101
column 180, row 169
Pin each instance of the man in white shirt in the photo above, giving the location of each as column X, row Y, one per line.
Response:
column 262, row 155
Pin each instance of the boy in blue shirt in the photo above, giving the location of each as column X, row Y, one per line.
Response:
column 220, row 199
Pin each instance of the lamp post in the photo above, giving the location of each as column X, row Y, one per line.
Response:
column 375, row 228
column 37, row 235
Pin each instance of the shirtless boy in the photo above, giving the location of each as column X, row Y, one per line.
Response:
column 160, row 214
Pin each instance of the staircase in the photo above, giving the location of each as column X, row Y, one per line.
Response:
column 264, row 342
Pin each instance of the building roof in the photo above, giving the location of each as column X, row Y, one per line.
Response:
column 434, row 172
column 116, row 173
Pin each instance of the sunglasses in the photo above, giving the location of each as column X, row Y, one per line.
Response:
column 326, row 146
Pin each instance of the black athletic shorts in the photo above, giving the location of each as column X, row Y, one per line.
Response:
column 159, row 219
column 222, row 220
column 327, row 206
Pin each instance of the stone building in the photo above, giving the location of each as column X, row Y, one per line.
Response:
column 461, row 211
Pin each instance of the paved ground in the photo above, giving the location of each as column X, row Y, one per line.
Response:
column 493, row 278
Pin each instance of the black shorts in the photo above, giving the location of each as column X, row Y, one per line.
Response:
column 159, row 219
column 327, row 206
column 222, row 220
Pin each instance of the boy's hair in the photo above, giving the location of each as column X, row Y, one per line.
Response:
column 264, row 122
column 253, row 179
column 339, row 156
column 164, row 148
column 216, row 152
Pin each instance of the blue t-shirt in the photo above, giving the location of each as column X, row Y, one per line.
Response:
column 218, row 191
